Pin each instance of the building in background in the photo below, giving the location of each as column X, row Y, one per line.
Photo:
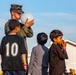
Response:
column 71, row 51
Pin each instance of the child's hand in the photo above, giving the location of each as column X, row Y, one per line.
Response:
column 63, row 43
column 25, row 67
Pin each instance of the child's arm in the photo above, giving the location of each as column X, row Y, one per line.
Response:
column 23, row 52
column 57, row 49
column 24, row 60
column 62, row 54
column 64, row 49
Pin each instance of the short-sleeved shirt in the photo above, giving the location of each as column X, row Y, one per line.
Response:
column 12, row 47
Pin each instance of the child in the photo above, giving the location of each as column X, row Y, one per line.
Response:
column 13, row 51
column 57, row 53
column 39, row 57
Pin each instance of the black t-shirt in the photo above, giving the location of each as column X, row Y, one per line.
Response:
column 12, row 47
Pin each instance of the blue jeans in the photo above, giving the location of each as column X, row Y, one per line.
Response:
column 7, row 72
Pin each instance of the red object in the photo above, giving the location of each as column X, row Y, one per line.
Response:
column 64, row 48
column 75, row 74
column 25, row 64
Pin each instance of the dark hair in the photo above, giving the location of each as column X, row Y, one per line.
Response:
column 42, row 38
column 13, row 24
column 55, row 34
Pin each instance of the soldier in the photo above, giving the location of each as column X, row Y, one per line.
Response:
column 25, row 29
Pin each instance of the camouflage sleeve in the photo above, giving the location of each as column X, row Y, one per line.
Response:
column 24, row 31
column 7, row 30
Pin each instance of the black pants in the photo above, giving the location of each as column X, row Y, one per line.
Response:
column 7, row 72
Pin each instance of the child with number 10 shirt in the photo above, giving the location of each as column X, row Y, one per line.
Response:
column 13, row 51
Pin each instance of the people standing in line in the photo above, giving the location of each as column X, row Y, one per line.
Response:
column 13, row 51
column 39, row 57
column 25, row 29
column 57, row 53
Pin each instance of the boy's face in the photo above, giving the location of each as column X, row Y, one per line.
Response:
column 58, row 40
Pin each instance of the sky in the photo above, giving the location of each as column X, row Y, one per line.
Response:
column 48, row 15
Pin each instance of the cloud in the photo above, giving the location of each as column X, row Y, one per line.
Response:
column 57, row 14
